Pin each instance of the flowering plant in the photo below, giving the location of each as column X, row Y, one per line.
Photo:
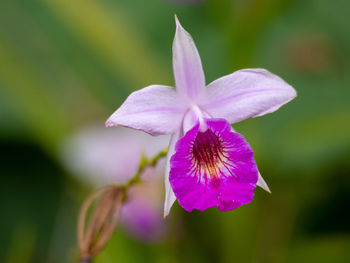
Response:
column 208, row 163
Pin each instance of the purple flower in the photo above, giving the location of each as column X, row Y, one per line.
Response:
column 208, row 163
column 100, row 157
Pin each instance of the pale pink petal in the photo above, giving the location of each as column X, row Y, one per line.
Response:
column 169, row 194
column 155, row 109
column 187, row 65
column 246, row 93
column 261, row 182
column 100, row 156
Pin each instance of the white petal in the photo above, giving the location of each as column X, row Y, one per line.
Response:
column 169, row 194
column 246, row 93
column 261, row 182
column 155, row 109
column 187, row 65
column 193, row 116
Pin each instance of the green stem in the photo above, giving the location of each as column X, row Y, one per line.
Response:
column 145, row 163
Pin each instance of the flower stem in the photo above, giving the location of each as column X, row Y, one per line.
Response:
column 94, row 234
column 145, row 163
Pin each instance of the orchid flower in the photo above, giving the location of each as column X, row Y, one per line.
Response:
column 208, row 163
column 100, row 157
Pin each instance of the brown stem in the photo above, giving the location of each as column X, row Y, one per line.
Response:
column 82, row 217
column 102, row 223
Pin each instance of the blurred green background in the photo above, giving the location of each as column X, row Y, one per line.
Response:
column 67, row 63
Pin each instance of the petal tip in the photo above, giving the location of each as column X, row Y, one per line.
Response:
column 176, row 20
column 261, row 183
column 167, row 206
column 292, row 92
column 108, row 123
column 166, row 211
column 267, row 189
column 165, row 214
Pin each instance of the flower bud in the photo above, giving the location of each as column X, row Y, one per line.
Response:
column 94, row 231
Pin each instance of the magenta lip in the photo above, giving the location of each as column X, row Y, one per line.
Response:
column 213, row 168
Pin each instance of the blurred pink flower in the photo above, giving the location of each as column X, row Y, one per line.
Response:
column 100, row 156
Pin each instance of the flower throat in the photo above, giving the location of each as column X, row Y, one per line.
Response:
column 208, row 153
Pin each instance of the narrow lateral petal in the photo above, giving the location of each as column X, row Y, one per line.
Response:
column 187, row 65
column 261, row 183
column 246, row 93
column 213, row 168
column 155, row 109
column 169, row 194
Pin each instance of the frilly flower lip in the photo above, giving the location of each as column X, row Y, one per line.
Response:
column 212, row 168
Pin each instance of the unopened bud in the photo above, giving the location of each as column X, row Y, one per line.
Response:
column 94, row 231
